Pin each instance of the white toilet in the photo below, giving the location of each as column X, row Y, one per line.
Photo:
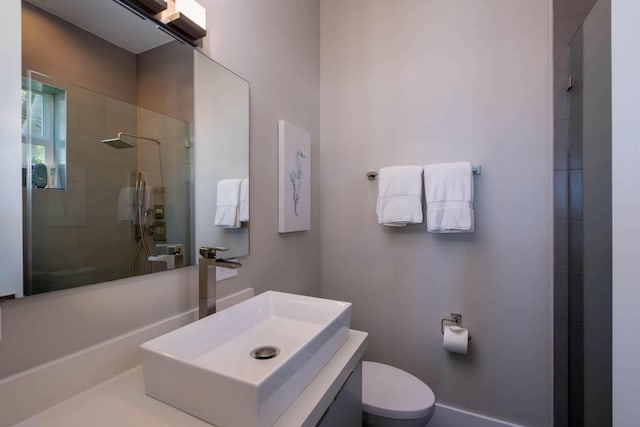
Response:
column 394, row 398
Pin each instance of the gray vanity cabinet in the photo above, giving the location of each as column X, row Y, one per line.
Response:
column 346, row 408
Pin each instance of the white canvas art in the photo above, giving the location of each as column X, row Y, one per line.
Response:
column 294, row 174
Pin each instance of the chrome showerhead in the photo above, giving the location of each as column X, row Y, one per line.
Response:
column 120, row 143
column 117, row 143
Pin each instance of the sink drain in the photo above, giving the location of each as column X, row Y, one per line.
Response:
column 266, row 352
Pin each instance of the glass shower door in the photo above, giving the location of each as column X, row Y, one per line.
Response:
column 44, row 144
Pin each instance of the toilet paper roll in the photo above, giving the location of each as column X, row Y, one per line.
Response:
column 456, row 339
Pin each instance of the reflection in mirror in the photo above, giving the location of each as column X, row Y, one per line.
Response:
column 108, row 126
column 222, row 129
column 115, row 199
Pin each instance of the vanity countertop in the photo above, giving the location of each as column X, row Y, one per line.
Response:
column 121, row 401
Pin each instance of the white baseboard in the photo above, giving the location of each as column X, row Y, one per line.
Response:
column 447, row 416
column 27, row 393
column 234, row 299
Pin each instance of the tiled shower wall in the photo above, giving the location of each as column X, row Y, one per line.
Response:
column 582, row 308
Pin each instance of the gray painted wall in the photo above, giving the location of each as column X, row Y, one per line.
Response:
column 11, row 152
column 274, row 45
column 626, row 210
column 418, row 82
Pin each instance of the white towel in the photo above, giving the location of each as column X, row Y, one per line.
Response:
column 126, row 202
column 448, row 188
column 228, row 203
column 243, row 211
column 399, row 196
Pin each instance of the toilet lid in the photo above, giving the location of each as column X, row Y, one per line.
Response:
column 392, row 393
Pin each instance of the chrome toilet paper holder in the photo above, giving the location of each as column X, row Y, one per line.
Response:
column 456, row 318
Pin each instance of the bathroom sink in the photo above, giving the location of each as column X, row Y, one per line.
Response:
column 244, row 366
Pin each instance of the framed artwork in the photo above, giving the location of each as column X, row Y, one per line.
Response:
column 294, row 178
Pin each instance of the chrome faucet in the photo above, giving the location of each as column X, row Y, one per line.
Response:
column 208, row 259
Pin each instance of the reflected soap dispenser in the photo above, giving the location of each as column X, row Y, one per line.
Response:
column 40, row 177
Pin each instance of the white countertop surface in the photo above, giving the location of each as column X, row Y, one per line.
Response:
column 122, row 402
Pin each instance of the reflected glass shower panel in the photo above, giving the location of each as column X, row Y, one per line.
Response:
column 589, row 229
column 88, row 230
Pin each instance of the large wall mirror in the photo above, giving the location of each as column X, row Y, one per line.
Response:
column 135, row 148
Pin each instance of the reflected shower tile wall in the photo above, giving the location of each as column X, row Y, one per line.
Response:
column 96, row 173
column 115, row 260
column 103, row 205
column 175, row 171
column 597, row 197
column 597, row 379
column 596, row 130
column 560, row 399
column 83, row 217
column 561, row 145
column 178, row 214
column 73, row 54
column 119, row 117
column 49, row 260
column 569, row 288
column 576, row 143
column 165, row 80
column 48, row 238
column 560, row 195
column 165, row 84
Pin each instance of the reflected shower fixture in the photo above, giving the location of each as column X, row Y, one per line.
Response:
column 141, row 188
column 119, row 143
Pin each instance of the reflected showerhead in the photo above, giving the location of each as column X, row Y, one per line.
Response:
column 117, row 143
column 120, row 143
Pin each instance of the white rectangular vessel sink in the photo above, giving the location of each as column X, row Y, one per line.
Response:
column 207, row 368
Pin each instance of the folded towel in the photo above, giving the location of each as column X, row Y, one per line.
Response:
column 126, row 204
column 243, row 211
column 399, row 196
column 448, row 188
column 228, row 203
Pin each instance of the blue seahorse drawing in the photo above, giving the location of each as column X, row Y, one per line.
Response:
column 296, row 180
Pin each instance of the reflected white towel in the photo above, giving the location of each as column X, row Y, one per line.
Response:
column 145, row 193
column 126, row 204
column 243, row 210
column 143, row 199
column 399, row 196
column 228, row 203
column 448, row 188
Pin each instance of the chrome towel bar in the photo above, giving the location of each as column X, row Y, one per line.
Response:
column 372, row 175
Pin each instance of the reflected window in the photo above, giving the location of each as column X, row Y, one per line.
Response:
column 46, row 106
